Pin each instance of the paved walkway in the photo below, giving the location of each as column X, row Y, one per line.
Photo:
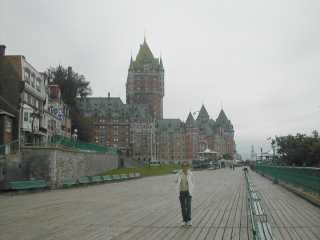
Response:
column 148, row 208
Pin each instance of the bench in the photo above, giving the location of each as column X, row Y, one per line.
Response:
column 84, row 180
column 258, row 211
column 265, row 231
column 124, row 177
column 255, row 196
column 107, row 178
column 96, row 179
column 69, row 182
column 116, row 177
column 30, row 184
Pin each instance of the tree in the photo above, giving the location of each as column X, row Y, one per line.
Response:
column 227, row 156
column 300, row 150
column 73, row 85
column 85, row 127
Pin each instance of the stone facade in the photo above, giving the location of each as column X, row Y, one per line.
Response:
column 140, row 140
column 138, row 127
column 145, row 82
column 32, row 99
column 55, row 164
column 178, row 141
column 170, row 135
column 29, row 98
column 123, row 126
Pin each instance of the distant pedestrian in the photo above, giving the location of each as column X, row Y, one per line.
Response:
column 185, row 184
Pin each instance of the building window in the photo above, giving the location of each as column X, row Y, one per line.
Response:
column 33, row 101
column 29, row 99
column 38, row 84
column 25, row 116
column 27, row 75
column 33, row 80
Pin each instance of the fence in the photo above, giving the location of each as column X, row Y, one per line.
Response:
column 301, row 177
column 76, row 144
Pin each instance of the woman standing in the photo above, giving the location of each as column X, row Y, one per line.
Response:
column 185, row 185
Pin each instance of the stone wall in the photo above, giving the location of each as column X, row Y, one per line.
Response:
column 56, row 164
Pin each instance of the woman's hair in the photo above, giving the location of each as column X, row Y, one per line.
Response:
column 185, row 164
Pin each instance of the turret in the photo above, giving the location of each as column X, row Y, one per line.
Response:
column 203, row 115
column 190, row 123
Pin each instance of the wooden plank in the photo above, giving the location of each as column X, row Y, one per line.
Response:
column 232, row 226
column 237, row 218
column 144, row 209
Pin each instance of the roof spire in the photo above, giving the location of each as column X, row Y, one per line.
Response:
column 203, row 114
column 161, row 64
column 131, row 64
column 190, row 122
column 222, row 118
column 144, row 36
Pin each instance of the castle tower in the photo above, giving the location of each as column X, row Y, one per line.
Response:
column 226, row 130
column 203, row 116
column 145, row 82
column 191, row 138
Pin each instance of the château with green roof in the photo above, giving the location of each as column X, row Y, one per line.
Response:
column 145, row 82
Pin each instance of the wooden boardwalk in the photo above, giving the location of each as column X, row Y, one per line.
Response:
column 148, row 208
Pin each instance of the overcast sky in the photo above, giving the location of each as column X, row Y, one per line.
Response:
column 260, row 59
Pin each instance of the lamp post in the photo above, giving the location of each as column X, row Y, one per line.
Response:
column 75, row 136
column 273, row 145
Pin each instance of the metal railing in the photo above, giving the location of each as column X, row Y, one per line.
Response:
column 83, row 146
column 301, row 177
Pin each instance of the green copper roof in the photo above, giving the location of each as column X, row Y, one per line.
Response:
column 222, row 117
column 169, row 125
column 190, row 121
column 113, row 107
column 223, row 121
column 203, row 115
column 144, row 54
column 145, row 61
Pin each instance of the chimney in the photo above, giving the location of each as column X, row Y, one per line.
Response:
column 108, row 94
column 69, row 72
column 2, row 50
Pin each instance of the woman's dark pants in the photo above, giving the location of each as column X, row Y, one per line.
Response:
column 185, row 202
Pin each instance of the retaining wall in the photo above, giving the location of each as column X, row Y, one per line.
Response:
column 55, row 164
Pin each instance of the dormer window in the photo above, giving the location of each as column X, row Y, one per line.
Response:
column 146, row 67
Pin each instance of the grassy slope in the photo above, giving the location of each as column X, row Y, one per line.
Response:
column 145, row 171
